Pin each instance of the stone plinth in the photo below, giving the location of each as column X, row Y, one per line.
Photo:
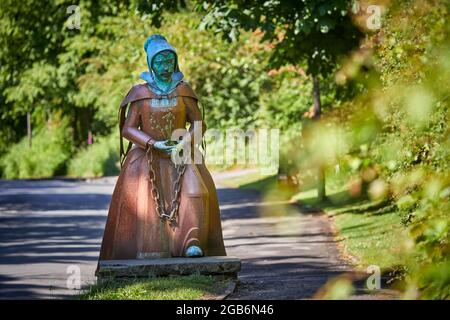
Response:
column 228, row 266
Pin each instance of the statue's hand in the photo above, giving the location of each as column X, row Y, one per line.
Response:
column 163, row 146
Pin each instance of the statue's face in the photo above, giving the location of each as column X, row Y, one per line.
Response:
column 163, row 65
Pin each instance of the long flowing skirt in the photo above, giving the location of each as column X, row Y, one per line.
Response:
column 134, row 229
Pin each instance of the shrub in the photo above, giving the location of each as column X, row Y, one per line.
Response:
column 99, row 159
column 51, row 148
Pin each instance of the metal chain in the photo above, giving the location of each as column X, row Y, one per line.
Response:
column 175, row 204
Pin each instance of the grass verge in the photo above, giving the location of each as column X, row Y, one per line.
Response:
column 369, row 233
column 193, row 287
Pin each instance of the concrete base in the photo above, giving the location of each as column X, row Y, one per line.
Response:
column 228, row 266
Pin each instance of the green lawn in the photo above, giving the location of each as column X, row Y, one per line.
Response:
column 253, row 180
column 192, row 287
column 372, row 239
column 370, row 233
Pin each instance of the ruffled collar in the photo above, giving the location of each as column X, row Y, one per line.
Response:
column 153, row 86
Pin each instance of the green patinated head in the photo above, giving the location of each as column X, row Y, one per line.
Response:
column 162, row 60
column 163, row 65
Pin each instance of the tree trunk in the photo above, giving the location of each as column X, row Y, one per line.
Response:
column 29, row 133
column 316, row 116
column 75, row 127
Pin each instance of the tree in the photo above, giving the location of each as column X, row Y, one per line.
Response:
column 312, row 32
column 37, row 78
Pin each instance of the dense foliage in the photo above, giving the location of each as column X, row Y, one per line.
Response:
column 85, row 77
column 413, row 62
column 397, row 135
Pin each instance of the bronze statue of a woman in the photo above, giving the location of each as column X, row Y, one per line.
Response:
column 161, row 208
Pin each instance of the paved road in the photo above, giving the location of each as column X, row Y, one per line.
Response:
column 47, row 226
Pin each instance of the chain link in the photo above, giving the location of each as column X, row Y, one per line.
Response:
column 175, row 204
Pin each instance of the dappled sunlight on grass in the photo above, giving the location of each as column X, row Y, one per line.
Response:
column 371, row 231
column 373, row 239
